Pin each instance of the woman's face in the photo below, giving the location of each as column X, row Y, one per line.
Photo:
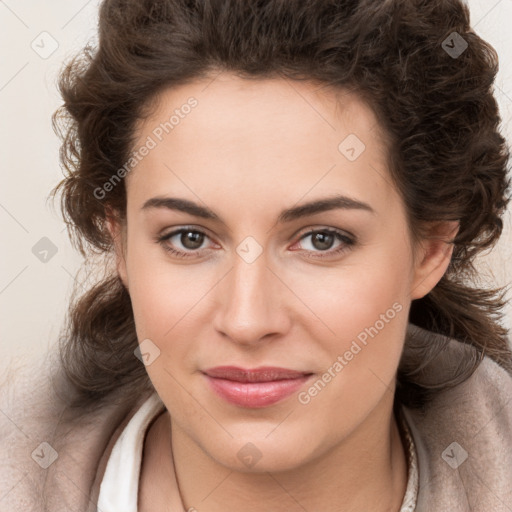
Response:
column 293, row 251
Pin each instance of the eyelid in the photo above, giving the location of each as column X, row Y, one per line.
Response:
column 320, row 228
column 185, row 227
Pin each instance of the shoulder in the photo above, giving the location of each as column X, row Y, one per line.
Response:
column 50, row 452
column 27, row 413
column 463, row 437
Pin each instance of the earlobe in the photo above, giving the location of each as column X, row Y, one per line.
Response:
column 117, row 232
column 433, row 257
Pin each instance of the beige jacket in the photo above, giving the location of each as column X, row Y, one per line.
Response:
column 53, row 462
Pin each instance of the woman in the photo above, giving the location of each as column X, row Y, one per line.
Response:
column 293, row 194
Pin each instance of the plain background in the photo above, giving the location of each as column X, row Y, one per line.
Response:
column 35, row 39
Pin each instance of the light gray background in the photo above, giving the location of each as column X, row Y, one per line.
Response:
column 34, row 294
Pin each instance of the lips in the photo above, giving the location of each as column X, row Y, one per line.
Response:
column 262, row 374
column 258, row 387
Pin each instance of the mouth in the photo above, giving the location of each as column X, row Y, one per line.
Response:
column 255, row 388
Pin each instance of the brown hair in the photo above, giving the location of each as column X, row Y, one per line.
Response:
column 446, row 155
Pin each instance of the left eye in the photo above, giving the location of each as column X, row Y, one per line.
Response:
column 322, row 241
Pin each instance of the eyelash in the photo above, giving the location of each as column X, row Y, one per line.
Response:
column 348, row 242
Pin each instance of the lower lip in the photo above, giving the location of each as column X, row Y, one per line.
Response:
column 255, row 394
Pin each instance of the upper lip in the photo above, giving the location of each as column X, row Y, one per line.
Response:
column 261, row 374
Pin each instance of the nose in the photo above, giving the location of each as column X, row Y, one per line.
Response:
column 252, row 303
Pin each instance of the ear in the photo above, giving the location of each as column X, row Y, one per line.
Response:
column 117, row 230
column 432, row 256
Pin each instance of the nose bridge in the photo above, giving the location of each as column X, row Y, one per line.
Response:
column 250, row 300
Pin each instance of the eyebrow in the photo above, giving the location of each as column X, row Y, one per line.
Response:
column 288, row 215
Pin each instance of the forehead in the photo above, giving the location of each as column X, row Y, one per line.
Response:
column 251, row 137
column 227, row 105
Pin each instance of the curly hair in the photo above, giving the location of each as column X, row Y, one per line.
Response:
column 437, row 109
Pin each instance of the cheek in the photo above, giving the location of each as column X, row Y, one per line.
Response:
column 366, row 314
column 161, row 293
column 362, row 310
column 165, row 307
column 354, row 295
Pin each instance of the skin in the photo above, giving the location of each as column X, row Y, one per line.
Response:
column 248, row 150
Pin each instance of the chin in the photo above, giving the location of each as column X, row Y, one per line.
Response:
column 250, row 455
